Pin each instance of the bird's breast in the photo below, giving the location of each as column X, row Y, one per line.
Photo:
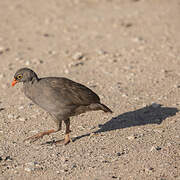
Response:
column 45, row 97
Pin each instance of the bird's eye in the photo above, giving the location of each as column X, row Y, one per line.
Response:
column 19, row 76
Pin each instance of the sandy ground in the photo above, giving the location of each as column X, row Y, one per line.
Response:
column 127, row 51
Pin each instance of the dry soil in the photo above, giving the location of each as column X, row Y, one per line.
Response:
column 128, row 52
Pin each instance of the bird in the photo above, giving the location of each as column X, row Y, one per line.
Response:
column 61, row 97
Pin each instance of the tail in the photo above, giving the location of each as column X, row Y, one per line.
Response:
column 99, row 106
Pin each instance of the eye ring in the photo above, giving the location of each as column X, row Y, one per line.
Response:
column 19, row 76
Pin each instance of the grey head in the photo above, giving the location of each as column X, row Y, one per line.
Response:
column 24, row 75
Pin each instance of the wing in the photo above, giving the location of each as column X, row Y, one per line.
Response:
column 72, row 92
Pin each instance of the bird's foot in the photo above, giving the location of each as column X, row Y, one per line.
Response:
column 64, row 141
column 67, row 139
column 39, row 135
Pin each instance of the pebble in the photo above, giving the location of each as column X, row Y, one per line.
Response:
column 28, row 169
column 27, row 63
column 101, row 52
column 138, row 39
column 131, row 137
column 21, row 107
column 41, row 61
column 157, row 148
column 176, row 86
column 64, row 159
column 127, row 24
column 2, row 76
column 124, row 95
column 22, row 119
column 8, row 158
column 34, row 131
column 65, row 170
column 1, row 109
column 114, row 177
column 46, row 35
column 51, row 52
column 120, row 153
column 16, row 116
column 93, row 127
column 159, row 130
column 73, row 166
column 66, row 71
column 78, row 63
column 2, row 50
column 81, row 128
column 149, row 170
column 78, row 56
column 30, row 104
column 152, row 148
column 75, row 64
column 18, row 58
column 30, row 166
column 10, row 116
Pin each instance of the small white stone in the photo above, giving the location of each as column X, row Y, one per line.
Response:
column 124, row 95
column 1, row 50
column 10, row 116
column 78, row 56
column 131, row 137
column 28, row 169
column 2, row 76
column 101, row 52
column 34, row 131
column 137, row 39
column 52, row 52
column 21, row 107
column 27, row 63
column 149, row 170
column 30, row 163
column 22, row 119
column 66, row 71
column 155, row 148
column 152, row 149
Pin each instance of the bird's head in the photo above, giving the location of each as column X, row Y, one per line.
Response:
column 24, row 75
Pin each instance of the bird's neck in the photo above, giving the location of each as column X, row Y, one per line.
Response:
column 32, row 81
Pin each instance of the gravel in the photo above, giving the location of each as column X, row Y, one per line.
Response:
column 127, row 52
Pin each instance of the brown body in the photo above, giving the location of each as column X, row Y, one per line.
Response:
column 59, row 96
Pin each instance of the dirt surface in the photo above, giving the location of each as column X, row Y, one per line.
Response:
column 127, row 51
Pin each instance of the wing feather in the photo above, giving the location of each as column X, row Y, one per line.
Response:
column 73, row 92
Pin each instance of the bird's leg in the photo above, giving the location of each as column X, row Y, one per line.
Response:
column 66, row 140
column 41, row 134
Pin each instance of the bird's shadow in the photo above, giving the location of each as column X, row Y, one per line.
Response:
column 143, row 116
